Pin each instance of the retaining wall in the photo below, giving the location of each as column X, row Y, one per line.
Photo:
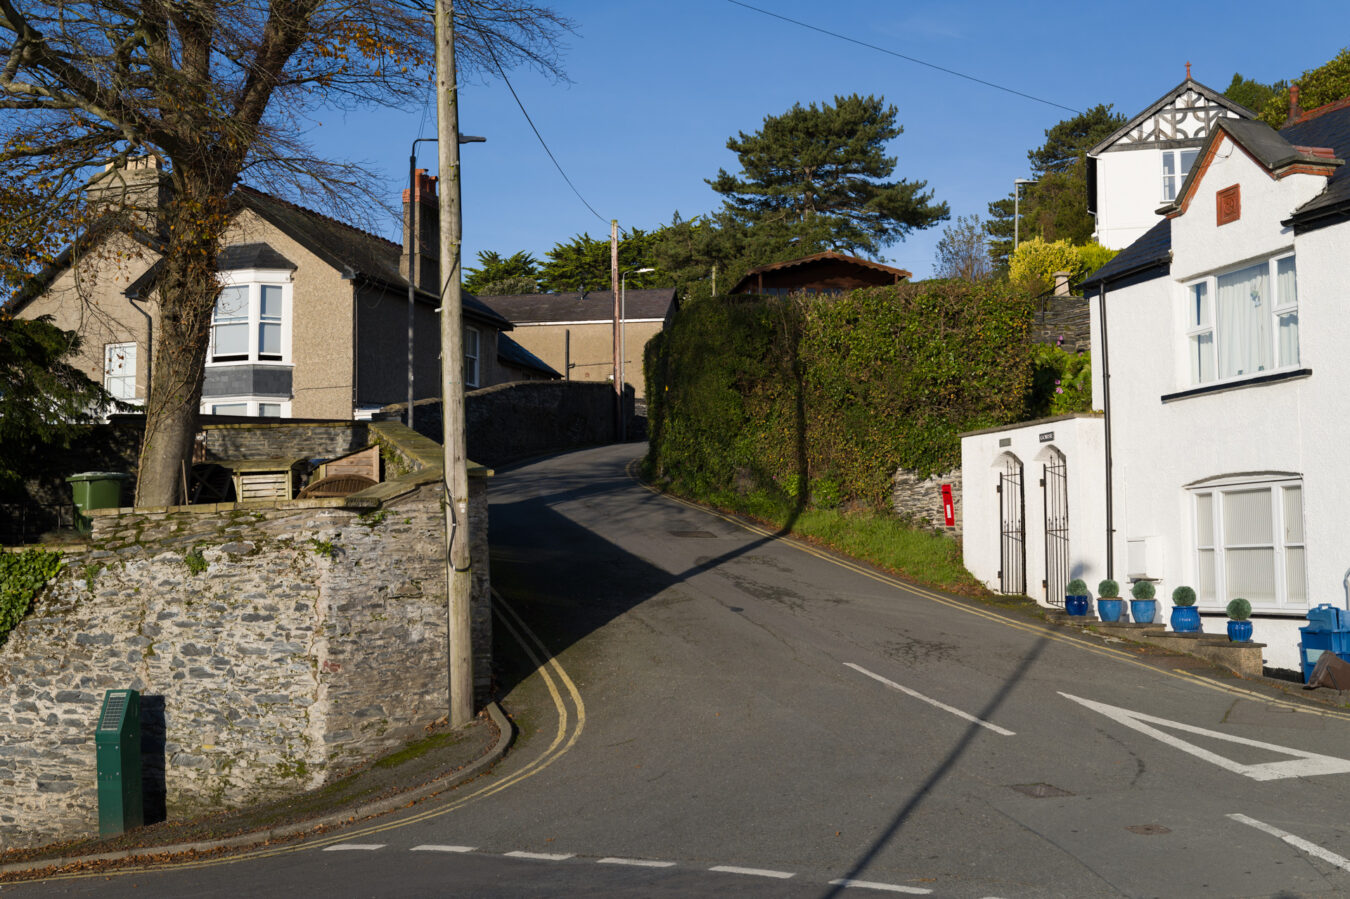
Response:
column 919, row 500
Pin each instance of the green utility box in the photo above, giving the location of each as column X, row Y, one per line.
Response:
column 95, row 490
column 117, row 740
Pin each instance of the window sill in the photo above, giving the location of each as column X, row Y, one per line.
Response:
column 1222, row 612
column 1224, row 386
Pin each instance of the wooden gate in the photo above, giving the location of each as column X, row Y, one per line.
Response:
column 1012, row 575
column 1055, row 493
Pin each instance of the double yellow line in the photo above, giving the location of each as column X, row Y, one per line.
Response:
column 571, row 722
column 1024, row 626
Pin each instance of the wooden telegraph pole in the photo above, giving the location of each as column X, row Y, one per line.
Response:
column 459, row 575
column 614, row 285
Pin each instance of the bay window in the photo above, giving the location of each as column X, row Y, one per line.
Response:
column 1249, row 542
column 1243, row 322
column 251, row 321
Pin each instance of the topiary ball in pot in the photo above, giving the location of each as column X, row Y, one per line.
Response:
column 1143, row 607
column 1076, row 597
column 1109, row 603
column 1239, row 628
column 1185, row 616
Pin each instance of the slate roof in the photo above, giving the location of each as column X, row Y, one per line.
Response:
column 1327, row 126
column 586, row 306
column 512, row 353
column 1153, row 250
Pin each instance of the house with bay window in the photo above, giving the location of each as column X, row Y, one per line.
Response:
column 312, row 320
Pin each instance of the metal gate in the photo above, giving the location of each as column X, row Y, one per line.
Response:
column 1055, row 493
column 1012, row 575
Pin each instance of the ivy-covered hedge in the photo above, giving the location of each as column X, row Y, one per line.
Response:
column 22, row 575
column 819, row 399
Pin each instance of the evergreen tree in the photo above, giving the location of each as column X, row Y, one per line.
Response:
column 497, row 275
column 1055, row 208
column 1253, row 94
column 828, row 162
column 583, row 263
column 1316, row 87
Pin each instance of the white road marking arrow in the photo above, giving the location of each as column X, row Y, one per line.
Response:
column 1303, row 764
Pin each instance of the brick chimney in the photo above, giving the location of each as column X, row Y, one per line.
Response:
column 1294, row 109
column 135, row 188
column 422, row 252
column 1061, row 284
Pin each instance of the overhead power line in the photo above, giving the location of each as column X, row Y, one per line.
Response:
column 853, row 40
column 501, row 71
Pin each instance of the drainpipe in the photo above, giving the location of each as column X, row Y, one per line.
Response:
column 149, row 345
column 1106, row 416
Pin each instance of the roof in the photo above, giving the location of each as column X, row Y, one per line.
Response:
column 512, row 353
column 827, row 256
column 1153, row 250
column 358, row 254
column 1167, row 99
column 1326, row 126
column 586, row 306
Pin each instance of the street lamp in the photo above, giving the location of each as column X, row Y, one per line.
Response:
column 414, row 251
column 1017, row 195
column 623, row 343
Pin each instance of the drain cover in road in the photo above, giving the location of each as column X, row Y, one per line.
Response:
column 1041, row 791
column 1148, row 830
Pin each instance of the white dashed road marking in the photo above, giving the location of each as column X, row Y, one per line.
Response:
column 638, row 862
column 753, row 872
column 541, row 856
column 883, row 887
column 1312, row 849
column 357, row 847
column 431, row 847
column 966, row 716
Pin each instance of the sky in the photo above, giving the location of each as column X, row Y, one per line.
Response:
column 655, row 89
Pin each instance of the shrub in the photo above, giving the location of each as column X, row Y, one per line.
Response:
column 1108, row 589
column 1183, row 596
column 22, row 575
column 1076, row 587
column 1239, row 609
column 1143, row 590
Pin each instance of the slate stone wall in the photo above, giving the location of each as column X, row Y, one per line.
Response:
column 275, row 647
column 1063, row 320
column 919, row 500
column 281, row 440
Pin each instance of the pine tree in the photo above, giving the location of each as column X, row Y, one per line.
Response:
column 828, row 162
column 498, row 275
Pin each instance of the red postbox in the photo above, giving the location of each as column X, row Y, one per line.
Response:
column 948, row 506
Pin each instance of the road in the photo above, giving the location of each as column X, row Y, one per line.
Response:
column 706, row 710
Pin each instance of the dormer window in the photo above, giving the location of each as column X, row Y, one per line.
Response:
column 1175, row 165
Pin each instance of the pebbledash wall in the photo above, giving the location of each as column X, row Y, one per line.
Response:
column 285, row 644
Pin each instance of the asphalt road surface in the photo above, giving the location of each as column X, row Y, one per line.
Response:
column 708, row 710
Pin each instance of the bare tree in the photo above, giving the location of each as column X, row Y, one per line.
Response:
column 963, row 251
column 204, row 92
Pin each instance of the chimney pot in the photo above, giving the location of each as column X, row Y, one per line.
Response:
column 1294, row 109
column 1061, row 284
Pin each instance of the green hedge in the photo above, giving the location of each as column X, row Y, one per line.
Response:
column 22, row 575
column 798, row 400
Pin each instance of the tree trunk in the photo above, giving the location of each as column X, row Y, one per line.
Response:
column 193, row 221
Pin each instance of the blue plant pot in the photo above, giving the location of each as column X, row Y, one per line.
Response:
column 1143, row 611
column 1110, row 609
column 1185, row 619
column 1240, row 631
column 1077, row 605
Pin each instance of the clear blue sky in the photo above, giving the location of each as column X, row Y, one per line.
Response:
column 658, row 87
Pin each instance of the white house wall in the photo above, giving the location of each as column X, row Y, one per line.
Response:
column 1129, row 192
column 1079, row 439
column 1296, row 426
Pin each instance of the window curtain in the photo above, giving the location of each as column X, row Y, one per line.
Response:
column 1244, row 321
column 1249, row 550
column 1287, row 285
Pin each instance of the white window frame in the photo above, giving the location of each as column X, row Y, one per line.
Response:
column 1288, row 542
column 117, row 372
column 473, row 345
column 1202, row 321
column 1172, row 181
column 254, row 280
column 252, row 406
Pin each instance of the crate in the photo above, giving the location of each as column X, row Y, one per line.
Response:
column 1315, row 642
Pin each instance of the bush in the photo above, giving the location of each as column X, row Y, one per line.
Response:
column 1143, row 590
column 22, row 575
column 1239, row 609
column 1076, row 587
column 1061, row 382
column 1108, row 589
column 1183, row 596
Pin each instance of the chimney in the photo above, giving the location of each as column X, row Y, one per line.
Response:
column 422, row 252
column 134, row 187
column 1294, row 109
column 1061, row 284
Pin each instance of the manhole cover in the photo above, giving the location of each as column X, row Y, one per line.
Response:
column 1148, row 830
column 1041, row 791
column 691, row 534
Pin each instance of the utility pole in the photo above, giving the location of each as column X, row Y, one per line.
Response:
column 459, row 575
column 619, row 429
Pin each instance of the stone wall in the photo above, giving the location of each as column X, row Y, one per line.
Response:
column 281, row 644
column 283, row 439
column 525, row 418
column 919, row 500
column 1063, row 320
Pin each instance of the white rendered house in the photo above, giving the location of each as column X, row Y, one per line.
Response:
column 1143, row 164
column 1219, row 359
